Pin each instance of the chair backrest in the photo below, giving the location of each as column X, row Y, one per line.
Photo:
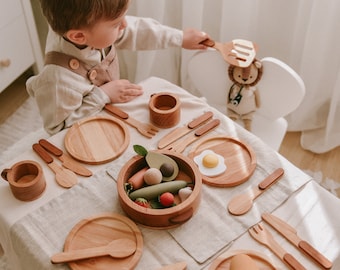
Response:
column 281, row 88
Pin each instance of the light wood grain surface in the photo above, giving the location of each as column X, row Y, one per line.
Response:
column 100, row 230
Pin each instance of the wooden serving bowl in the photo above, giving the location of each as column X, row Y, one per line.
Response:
column 166, row 217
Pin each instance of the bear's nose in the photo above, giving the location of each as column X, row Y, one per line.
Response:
column 244, row 79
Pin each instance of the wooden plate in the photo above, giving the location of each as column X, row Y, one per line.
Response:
column 97, row 139
column 239, row 158
column 98, row 231
column 223, row 261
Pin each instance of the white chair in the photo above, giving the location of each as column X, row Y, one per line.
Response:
column 281, row 92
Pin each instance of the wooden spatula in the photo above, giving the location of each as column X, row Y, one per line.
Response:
column 238, row 52
column 242, row 203
column 118, row 248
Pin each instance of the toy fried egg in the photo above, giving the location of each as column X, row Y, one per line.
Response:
column 209, row 163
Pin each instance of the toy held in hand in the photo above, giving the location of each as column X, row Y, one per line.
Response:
column 243, row 97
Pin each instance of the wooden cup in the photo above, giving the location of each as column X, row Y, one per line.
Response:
column 164, row 110
column 26, row 180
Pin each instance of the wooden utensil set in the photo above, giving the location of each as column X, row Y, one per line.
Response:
column 65, row 175
column 261, row 234
column 177, row 140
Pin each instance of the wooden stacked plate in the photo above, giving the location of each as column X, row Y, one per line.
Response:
column 223, row 261
column 239, row 158
column 97, row 139
column 99, row 231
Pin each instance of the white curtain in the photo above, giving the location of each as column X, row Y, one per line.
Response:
column 303, row 33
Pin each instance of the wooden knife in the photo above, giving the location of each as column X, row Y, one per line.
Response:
column 181, row 131
column 180, row 145
column 291, row 235
column 64, row 177
column 67, row 161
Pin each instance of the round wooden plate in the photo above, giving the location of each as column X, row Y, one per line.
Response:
column 98, row 231
column 239, row 158
column 222, row 262
column 97, row 139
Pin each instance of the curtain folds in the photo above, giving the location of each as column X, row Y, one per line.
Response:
column 302, row 33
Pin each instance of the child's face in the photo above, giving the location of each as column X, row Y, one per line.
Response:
column 105, row 33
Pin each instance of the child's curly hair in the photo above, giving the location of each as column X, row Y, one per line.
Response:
column 64, row 15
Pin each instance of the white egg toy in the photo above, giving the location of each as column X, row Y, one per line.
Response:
column 209, row 163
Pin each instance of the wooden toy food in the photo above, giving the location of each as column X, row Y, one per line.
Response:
column 184, row 173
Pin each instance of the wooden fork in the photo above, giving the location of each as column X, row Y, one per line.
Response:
column 146, row 129
column 263, row 236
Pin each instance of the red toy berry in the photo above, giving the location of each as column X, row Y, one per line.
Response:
column 142, row 202
column 167, row 199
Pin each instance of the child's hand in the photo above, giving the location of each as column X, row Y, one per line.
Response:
column 121, row 91
column 192, row 39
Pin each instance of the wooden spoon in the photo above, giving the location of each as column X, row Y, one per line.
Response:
column 64, row 177
column 242, row 203
column 118, row 248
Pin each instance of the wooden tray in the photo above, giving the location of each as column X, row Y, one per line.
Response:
column 223, row 261
column 98, row 231
column 239, row 157
column 97, row 139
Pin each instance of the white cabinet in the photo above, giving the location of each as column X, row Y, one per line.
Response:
column 19, row 42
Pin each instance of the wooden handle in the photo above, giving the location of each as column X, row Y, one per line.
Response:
column 119, row 248
column 116, row 111
column 208, row 42
column 51, row 148
column 199, row 120
column 4, row 174
column 207, row 127
column 292, row 262
column 271, row 179
column 42, row 153
column 311, row 251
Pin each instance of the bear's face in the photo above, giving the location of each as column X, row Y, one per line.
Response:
column 245, row 76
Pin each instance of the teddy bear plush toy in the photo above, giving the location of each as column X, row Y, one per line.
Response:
column 244, row 71
column 243, row 98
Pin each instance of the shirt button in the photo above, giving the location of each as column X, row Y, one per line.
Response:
column 74, row 64
column 93, row 74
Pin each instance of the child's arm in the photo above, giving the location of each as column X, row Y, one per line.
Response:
column 120, row 91
column 192, row 39
column 149, row 34
column 64, row 97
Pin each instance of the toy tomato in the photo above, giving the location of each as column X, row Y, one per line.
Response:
column 167, row 199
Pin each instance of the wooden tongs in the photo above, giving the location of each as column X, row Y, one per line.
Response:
column 238, row 52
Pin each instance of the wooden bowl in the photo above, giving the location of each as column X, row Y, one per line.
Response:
column 166, row 217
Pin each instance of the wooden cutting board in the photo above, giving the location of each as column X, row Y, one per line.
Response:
column 239, row 158
column 97, row 139
column 223, row 261
column 98, row 231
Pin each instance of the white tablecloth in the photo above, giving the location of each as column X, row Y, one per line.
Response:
column 31, row 232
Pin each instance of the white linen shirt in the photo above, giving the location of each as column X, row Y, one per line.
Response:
column 64, row 97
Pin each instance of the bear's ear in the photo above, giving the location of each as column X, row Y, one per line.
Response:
column 258, row 64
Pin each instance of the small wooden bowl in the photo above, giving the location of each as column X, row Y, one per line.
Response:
column 165, row 110
column 167, row 217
